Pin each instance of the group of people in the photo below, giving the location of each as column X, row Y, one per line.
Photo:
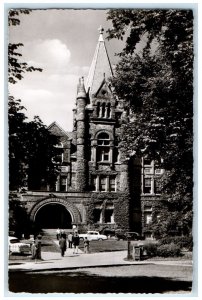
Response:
column 73, row 241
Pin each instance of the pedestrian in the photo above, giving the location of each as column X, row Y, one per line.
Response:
column 58, row 232
column 86, row 245
column 63, row 234
column 63, row 245
column 70, row 237
column 34, row 251
column 75, row 241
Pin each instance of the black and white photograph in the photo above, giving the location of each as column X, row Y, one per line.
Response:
column 100, row 112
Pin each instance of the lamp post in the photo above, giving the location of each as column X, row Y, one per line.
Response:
column 39, row 237
column 129, row 255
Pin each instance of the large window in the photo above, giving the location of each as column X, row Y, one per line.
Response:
column 103, row 147
column 103, row 183
column 103, row 110
column 150, row 176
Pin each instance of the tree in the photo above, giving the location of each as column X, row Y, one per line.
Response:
column 31, row 145
column 17, row 67
column 157, row 84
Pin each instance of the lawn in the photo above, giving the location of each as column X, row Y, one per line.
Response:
column 106, row 246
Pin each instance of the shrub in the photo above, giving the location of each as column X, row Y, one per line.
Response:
column 151, row 249
column 168, row 250
column 181, row 241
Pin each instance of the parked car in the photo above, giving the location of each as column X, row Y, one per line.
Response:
column 122, row 235
column 15, row 246
column 92, row 236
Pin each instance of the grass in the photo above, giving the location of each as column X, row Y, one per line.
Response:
column 109, row 245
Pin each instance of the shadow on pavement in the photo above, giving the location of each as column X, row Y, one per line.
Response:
column 85, row 283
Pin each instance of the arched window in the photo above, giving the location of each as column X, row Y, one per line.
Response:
column 103, row 147
column 103, row 110
column 98, row 109
column 108, row 110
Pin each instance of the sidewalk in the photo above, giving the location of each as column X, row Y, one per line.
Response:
column 54, row 261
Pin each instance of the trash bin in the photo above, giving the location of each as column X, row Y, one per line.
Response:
column 137, row 253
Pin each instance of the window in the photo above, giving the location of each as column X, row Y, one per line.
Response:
column 147, row 185
column 93, row 183
column 98, row 109
column 108, row 110
column 103, row 155
column 103, row 184
column 63, row 183
column 103, row 147
column 157, row 186
column 103, row 110
column 109, row 216
column 112, row 183
column 147, row 161
column 103, row 139
column 148, row 214
column 73, row 177
column 97, row 215
column 151, row 175
column 148, row 217
column 147, row 170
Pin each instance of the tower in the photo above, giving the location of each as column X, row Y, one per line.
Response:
column 80, row 137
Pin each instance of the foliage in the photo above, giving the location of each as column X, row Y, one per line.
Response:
column 121, row 211
column 19, row 222
column 168, row 250
column 16, row 67
column 181, row 241
column 160, row 101
column 31, row 146
column 31, row 150
column 121, row 208
column 151, row 249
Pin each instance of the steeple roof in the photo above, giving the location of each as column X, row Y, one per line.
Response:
column 100, row 66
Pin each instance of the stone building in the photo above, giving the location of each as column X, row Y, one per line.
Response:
column 97, row 187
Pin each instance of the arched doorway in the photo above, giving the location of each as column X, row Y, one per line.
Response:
column 53, row 215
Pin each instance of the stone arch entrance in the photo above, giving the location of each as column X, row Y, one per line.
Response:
column 55, row 213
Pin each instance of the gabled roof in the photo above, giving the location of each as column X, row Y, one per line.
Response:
column 58, row 131
column 100, row 66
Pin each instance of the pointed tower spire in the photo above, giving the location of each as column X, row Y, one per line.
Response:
column 100, row 65
column 81, row 92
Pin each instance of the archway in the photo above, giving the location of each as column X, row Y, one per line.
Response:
column 53, row 215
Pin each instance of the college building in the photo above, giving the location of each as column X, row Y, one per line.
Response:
column 97, row 187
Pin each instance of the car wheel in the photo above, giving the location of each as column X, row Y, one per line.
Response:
column 99, row 239
column 81, row 239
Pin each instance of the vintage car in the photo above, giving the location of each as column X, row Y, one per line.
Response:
column 92, row 236
column 122, row 235
column 15, row 246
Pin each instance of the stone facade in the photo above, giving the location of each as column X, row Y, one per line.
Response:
column 97, row 185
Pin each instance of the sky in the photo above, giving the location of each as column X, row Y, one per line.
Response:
column 62, row 43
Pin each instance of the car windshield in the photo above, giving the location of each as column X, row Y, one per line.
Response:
column 14, row 241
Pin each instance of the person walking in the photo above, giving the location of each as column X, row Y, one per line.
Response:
column 58, row 232
column 34, row 251
column 63, row 245
column 70, row 238
column 63, row 234
column 75, row 241
column 86, row 245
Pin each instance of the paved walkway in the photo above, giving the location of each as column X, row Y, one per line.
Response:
column 54, row 261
